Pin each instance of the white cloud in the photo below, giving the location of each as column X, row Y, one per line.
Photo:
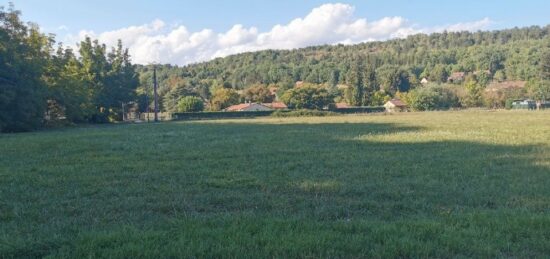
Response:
column 471, row 26
column 62, row 28
column 326, row 24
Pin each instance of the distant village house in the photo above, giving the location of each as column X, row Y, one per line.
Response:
column 424, row 81
column 247, row 107
column 396, row 105
column 276, row 105
column 456, row 77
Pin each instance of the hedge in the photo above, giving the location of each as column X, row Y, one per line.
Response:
column 366, row 109
column 303, row 113
column 251, row 114
column 219, row 115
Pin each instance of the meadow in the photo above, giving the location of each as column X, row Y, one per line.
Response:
column 433, row 184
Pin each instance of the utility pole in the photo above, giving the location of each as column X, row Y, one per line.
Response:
column 123, row 115
column 147, row 102
column 155, row 93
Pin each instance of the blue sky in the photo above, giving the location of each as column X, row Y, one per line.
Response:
column 162, row 22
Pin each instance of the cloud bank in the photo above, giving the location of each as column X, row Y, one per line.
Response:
column 326, row 24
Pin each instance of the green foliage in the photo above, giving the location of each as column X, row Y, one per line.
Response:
column 514, row 51
column 431, row 97
column 545, row 64
column 307, row 97
column 23, row 57
column 39, row 83
column 538, row 90
column 393, row 66
column 302, row 113
column 438, row 74
column 353, row 110
column 474, row 94
column 499, row 76
column 393, row 79
column 379, row 98
column 219, row 115
column 502, row 98
column 190, row 104
column 223, row 98
column 509, row 104
column 178, row 88
column 356, row 81
column 110, row 76
column 258, row 94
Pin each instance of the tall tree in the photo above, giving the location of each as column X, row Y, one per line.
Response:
column 545, row 64
column 23, row 54
column 356, row 79
column 371, row 85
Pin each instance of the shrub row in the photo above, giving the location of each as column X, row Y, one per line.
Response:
column 278, row 113
column 303, row 113
column 366, row 109
column 219, row 115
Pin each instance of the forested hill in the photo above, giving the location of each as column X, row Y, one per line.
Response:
column 511, row 54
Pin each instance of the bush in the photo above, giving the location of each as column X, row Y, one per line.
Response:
column 190, row 104
column 307, row 97
column 363, row 109
column 509, row 104
column 303, row 113
column 434, row 97
column 258, row 94
column 218, row 115
column 223, row 98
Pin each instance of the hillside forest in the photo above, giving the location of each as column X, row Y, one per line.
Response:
column 43, row 82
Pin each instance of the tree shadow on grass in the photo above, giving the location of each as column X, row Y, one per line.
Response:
column 346, row 189
column 337, row 164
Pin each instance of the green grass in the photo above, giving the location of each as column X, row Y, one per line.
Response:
column 434, row 184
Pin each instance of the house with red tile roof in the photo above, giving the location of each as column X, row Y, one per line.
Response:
column 456, row 77
column 247, row 107
column 276, row 105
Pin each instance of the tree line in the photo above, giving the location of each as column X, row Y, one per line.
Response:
column 377, row 71
column 43, row 82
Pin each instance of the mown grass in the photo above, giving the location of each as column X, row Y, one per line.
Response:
column 436, row 184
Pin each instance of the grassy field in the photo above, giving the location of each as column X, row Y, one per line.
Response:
column 435, row 184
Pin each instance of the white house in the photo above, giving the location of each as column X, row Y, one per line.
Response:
column 424, row 81
column 395, row 105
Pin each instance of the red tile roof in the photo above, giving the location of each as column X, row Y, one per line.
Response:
column 457, row 76
column 237, row 107
column 276, row 105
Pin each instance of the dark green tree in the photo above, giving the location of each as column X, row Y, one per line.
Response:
column 356, row 80
column 258, row 94
column 308, row 97
column 24, row 54
column 190, row 104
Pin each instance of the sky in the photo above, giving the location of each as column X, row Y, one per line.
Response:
column 184, row 32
